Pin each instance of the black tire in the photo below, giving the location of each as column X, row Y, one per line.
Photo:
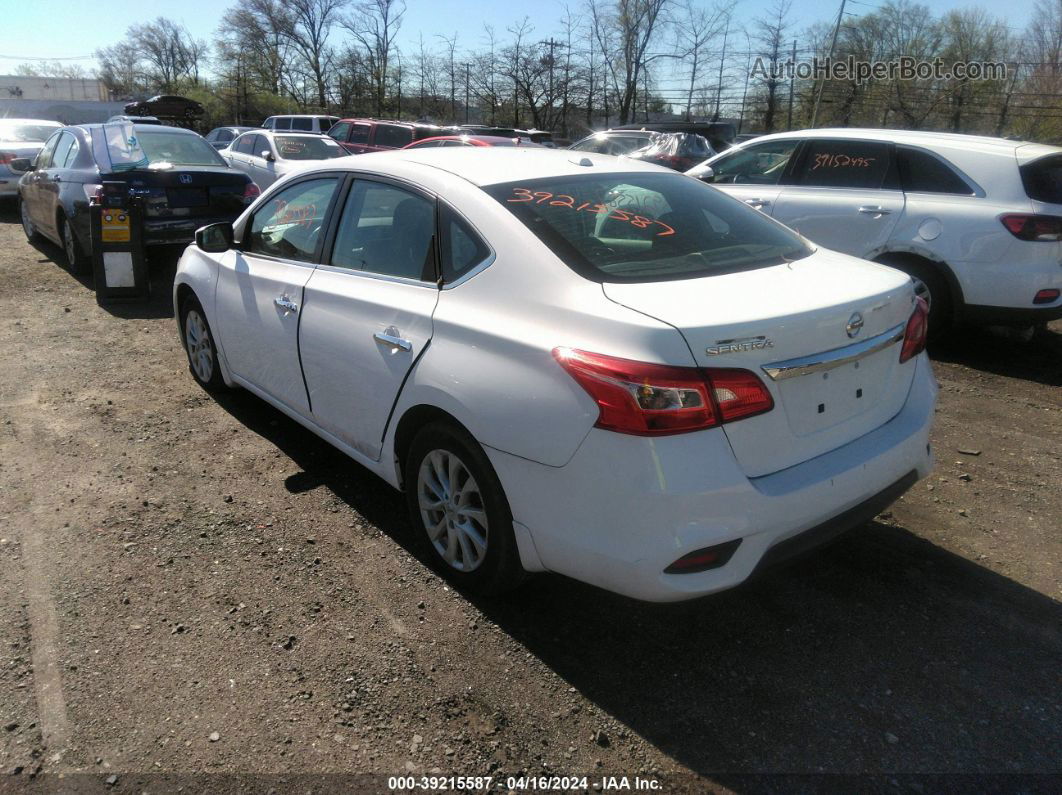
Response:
column 930, row 284
column 28, row 227
column 77, row 260
column 498, row 569
column 200, row 347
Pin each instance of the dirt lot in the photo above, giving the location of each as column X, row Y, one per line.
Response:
column 197, row 585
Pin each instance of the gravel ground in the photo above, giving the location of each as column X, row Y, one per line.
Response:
column 193, row 585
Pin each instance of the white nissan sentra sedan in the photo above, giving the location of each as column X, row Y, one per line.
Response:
column 569, row 362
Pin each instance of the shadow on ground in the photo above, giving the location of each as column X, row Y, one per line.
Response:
column 1006, row 352
column 880, row 654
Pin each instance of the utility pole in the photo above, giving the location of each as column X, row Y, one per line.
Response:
column 722, row 61
column 468, row 92
column 552, row 45
column 833, row 44
column 792, row 81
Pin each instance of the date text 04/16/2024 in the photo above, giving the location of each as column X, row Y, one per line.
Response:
column 522, row 783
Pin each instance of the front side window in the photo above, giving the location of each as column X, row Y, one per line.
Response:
column 178, row 149
column 340, row 131
column 762, row 164
column 360, row 134
column 244, row 143
column 392, row 136
column 645, row 227
column 839, row 163
column 307, row 147
column 289, row 224
column 224, row 136
column 386, row 230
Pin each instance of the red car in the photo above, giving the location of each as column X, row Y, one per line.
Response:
column 469, row 140
column 372, row 135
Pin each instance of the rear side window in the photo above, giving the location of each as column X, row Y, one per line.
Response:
column 282, row 123
column 923, row 172
column 289, row 224
column 392, row 136
column 1043, row 179
column 62, row 151
column 462, row 249
column 843, row 164
column 645, row 227
column 223, row 136
column 303, row 124
column 360, row 134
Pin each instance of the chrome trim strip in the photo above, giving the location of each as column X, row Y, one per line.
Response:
column 828, row 360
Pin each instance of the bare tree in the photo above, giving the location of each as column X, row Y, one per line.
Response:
column 624, row 32
column 375, row 25
column 695, row 29
column 771, row 30
column 311, row 24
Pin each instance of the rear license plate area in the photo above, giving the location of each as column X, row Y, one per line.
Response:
column 818, row 401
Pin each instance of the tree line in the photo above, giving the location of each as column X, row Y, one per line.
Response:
column 604, row 62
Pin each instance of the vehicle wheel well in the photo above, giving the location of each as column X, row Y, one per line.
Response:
column 184, row 292
column 900, row 258
column 412, row 421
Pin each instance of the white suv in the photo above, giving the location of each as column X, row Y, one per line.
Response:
column 977, row 222
column 297, row 123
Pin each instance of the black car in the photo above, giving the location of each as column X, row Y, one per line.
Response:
column 182, row 182
column 221, row 137
column 165, row 106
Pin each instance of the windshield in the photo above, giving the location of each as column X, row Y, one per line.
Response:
column 307, row 147
column 646, row 227
column 28, row 133
column 180, row 149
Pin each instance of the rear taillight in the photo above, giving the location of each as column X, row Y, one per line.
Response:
column 917, row 331
column 657, row 399
column 1025, row 226
column 251, row 192
column 1048, row 296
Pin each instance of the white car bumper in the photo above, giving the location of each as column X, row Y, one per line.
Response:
column 626, row 507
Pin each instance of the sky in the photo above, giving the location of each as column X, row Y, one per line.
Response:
column 69, row 28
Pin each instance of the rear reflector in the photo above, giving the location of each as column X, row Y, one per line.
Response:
column 704, row 558
column 646, row 399
column 914, row 336
column 1046, row 296
column 1044, row 228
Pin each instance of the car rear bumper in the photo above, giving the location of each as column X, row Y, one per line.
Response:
column 1011, row 316
column 625, row 507
column 176, row 231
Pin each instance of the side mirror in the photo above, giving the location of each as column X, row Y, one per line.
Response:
column 267, row 155
column 702, row 172
column 214, row 238
column 22, row 164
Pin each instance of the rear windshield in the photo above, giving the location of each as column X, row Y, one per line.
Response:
column 180, row 149
column 1043, row 179
column 26, row 133
column 646, row 227
column 305, row 147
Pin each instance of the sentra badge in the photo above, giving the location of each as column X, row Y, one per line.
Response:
column 742, row 345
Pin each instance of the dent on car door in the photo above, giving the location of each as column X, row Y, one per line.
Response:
column 369, row 311
column 755, row 173
column 259, row 295
column 845, row 195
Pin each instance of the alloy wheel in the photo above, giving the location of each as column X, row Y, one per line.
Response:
column 69, row 243
column 27, row 222
column 200, row 349
column 452, row 510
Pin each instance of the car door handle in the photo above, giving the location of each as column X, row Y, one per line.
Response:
column 286, row 304
column 57, row 178
column 757, row 203
column 874, row 211
column 395, row 342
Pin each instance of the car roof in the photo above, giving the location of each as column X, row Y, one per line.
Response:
column 286, row 133
column 493, row 165
column 487, row 139
column 149, row 128
column 302, row 116
column 30, row 121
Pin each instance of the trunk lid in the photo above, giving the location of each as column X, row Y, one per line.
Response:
column 795, row 315
column 187, row 192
